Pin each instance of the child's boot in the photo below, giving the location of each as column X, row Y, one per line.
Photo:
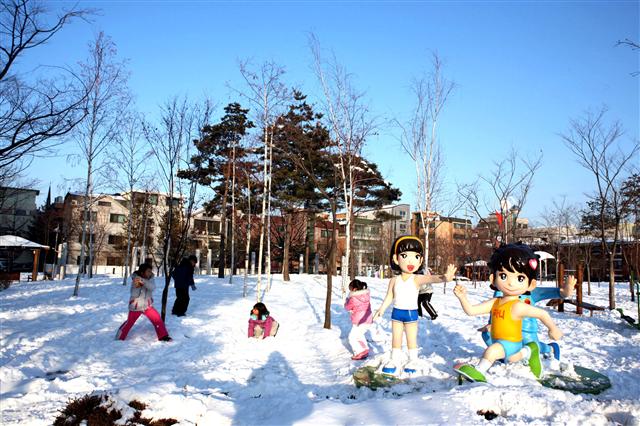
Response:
column 534, row 359
column 393, row 365
column 470, row 372
column 412, row 365
column 361, row 355
column 555, row 348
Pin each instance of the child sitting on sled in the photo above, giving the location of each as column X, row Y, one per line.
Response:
column 261, row 324
column 359, row 306
column 513, row 271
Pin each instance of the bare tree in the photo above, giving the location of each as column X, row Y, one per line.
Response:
column 170, row 142
column 597, row 148
column 420, row 140
column 34, row 115
column 507, row 185
column 350, row 123
column 106, row 80
column 126, row 168
column 633, row 45
column 268, row 94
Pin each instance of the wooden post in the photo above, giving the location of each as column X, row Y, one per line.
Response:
column 560, row 279
column 36, row 259
column 579, row 278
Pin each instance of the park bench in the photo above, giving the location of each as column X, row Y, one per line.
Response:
column 585, row 305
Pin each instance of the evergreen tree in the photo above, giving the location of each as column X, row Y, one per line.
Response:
column 293, row 192
column 310, row 151
column 219, row 151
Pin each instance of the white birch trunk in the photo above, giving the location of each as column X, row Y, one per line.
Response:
column 233, row 214
column 248, row 249
column 269, row 215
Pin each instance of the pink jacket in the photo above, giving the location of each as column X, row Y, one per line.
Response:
column 359, row 304
column 266, row 324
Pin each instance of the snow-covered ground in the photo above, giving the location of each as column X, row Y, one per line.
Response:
column 55, row 347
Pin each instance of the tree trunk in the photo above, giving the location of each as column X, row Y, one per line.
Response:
column 612, row 280
column 331, row 267
column 127, row 254
column 167, row 249
column 263, row 215
column 91, row 242
column 287, row 247
column 233, row 218
column 85, row 213
column 268, row 265
column 352, row 261
column 223, row 226
column 248, row 249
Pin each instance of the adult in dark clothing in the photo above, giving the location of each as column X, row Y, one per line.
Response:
column 182, row 280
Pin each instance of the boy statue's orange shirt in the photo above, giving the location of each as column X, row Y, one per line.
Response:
column 503, row 326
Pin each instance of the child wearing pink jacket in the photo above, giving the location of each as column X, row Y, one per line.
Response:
column 261, row 324
column 359, row 306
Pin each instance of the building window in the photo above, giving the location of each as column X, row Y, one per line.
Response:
column 153, row 199
column 89, row 237
column 402, row 213
column 325, row 233
column 116, row 218
column 21, row 212
column 104, row 203
column 116, row 239
column 92, row 215
column 174, row 203
column 114, row 261
column 213, row 227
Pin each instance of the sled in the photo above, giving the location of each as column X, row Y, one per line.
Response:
column 627, row 318
column 581, row 380
column 584, row 380
column 368, row 376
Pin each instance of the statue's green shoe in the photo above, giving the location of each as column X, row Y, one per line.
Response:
column 470, row 372
column 534, row 360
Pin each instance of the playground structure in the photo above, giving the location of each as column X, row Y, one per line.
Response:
column 579, row 302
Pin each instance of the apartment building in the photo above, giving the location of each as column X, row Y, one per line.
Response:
column 107, row 228
column 449, row 238
column 17, row 210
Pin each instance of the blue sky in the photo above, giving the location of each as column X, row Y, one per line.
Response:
column 522, row 70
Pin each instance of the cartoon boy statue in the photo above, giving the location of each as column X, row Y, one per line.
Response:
column 513, row 271
column 530, row 325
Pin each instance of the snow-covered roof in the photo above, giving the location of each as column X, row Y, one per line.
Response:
column 477, row 263
column 15, row 241
column 544, row 255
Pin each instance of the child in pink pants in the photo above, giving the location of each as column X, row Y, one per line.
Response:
column 141, row 302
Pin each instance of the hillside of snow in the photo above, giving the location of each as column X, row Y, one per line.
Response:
column 55, row 347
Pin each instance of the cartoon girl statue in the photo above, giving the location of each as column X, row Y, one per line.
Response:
column 406, row 258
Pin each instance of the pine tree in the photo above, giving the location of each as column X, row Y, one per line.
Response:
column 219, row 151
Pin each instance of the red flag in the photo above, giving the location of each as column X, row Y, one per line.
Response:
column 499, row 218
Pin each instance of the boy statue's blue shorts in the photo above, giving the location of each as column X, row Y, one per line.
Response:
column 404, row 315
column 510, row 348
